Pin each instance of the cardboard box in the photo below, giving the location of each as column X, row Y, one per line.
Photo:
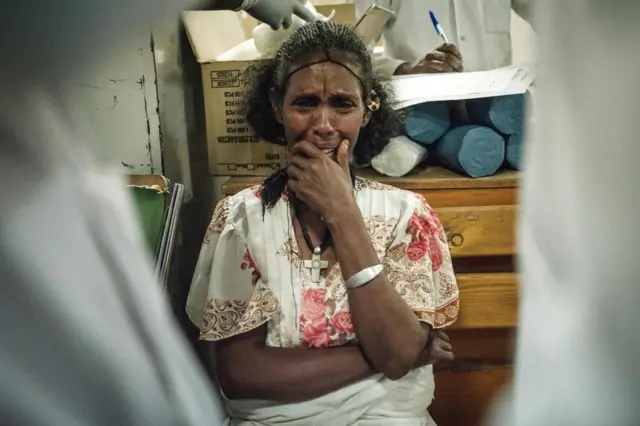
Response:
column 233, row 148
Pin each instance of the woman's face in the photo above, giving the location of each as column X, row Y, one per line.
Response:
column 322, row 104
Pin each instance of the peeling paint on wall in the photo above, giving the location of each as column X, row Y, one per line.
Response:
column 152, row 47
column 120, row 107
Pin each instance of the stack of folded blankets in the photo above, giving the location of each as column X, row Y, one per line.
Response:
column 491, row 139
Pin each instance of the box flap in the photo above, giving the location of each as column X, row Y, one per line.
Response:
column 344, row 13
column 372, row 22
column 212, row 32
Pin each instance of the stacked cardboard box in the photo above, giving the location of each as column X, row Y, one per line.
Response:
column 234, row 150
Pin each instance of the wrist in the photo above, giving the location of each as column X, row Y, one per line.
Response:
column 341, row 213
column 403, row 69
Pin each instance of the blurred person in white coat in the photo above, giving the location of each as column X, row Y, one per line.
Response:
column 87, row 338
column 578, row 342
column 480, row 29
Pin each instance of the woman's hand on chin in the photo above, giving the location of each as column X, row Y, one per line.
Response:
column 323, row 184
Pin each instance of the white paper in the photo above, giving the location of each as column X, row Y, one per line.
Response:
column 420, row 88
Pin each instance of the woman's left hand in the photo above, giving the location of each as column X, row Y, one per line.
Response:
column 438, row 350
column 323, row 184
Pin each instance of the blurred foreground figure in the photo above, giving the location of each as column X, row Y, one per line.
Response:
column 579, row 346
column 86, row 338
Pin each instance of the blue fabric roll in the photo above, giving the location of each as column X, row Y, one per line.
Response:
column 477, row 151
column 503, row 113
column 515, row 150
column 426, row 123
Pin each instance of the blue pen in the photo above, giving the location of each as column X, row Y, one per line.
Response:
column 437, row 27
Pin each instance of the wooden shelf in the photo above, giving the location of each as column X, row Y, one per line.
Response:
column 432, row 177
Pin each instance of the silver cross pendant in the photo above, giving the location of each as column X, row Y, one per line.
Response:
column 316, row 265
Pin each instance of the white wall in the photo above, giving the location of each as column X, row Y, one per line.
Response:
column 119, row 105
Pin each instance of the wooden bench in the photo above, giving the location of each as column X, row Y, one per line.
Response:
column 479, row 218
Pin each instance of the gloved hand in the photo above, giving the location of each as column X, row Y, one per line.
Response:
column 446, row 58
column 279, row 13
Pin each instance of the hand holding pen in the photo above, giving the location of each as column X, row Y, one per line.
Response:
column 445, row 58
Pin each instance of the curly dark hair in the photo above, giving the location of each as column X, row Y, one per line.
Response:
column 328, row 37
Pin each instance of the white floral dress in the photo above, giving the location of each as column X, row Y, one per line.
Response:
column 250, row 272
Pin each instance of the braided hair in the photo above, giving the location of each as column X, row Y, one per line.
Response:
column 328, row 37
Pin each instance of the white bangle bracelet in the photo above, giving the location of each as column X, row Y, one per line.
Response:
column 364, row 277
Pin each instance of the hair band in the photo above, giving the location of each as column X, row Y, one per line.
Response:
column 373, row 102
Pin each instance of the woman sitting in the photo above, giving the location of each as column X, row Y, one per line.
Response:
column 324, row 292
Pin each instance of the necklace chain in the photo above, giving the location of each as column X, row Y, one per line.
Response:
column 305, row 232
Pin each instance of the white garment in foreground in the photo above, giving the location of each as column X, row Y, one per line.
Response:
column 579, row 345
column 87, row 338
column 480, row 28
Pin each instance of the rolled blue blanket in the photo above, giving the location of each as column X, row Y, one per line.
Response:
column 515, row 147
column 474, row 150
column 503, row 113
column 426, row 123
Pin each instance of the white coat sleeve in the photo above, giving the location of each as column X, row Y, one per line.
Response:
column 578, row 344
column 87, row 336
column 385, row 65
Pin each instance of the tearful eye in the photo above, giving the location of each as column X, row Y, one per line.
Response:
column 305, row 102
column 344, row 105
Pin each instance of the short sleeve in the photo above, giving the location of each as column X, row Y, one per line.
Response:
column 418, row 265
column 227, row 296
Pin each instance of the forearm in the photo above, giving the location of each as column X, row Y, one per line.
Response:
column 291, row 374
column 389, row 332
